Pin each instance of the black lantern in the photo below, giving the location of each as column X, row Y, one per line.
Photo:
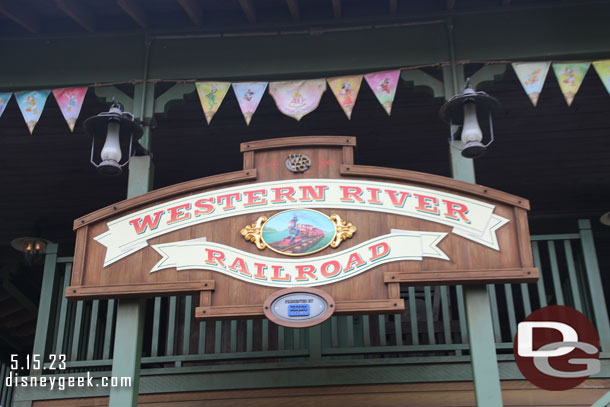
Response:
column 462, row 110
column 32, row 247
column 119, row 131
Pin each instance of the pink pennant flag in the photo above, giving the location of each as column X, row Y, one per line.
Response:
column 297, row 98
column 383, row 85
column 346, row 90
column 70, row 101
column 249, row 95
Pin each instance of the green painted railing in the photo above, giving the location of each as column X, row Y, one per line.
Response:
column 433, row 327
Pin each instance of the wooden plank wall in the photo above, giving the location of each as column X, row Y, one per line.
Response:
column 454, row 394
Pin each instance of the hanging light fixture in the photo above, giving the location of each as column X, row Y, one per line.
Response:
column 462, row 110
column 605, row 219
column 119, row 131
column 31, row 247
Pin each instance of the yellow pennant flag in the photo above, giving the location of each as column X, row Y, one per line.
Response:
column 570, row 77
column 346, row 90
column 603, row 70
column 211, row 95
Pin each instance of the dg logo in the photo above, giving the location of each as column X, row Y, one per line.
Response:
column 557, row 348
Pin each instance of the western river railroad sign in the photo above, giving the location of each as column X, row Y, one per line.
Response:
column 299, row 246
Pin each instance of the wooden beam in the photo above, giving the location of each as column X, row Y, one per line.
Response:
column 135, row 12
column 78, row 13
column 193, row 11
column 293, row 6
column 450, row 4
column 19, row 15
column 337, row 8
column 393, row 7
column 248, row 9
column 20, row 297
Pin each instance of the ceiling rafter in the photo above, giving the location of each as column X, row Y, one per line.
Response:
column 135, row 12
column 193, row 11
column 77, row 12
column 337, row 8
column 19, row 15
column 248, row 9
column 393, row 7
column 506, row 2
column 293, row 6
column 450, row 4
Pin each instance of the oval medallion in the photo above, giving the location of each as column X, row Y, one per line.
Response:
column 299, row 307
column 298, row 232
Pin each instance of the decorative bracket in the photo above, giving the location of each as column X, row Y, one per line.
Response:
column 343, row 229
column 253, row 233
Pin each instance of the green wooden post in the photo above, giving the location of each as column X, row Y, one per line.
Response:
column 595, row 284
column 127, row 352
column 476, row 299
column 130, row 313
column 46, row 299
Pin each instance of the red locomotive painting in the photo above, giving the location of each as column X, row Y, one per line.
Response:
column 298, row 232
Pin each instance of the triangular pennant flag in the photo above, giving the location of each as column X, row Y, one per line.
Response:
column 532, row 76
column 211, row 95
column 603, row 70
column 570, row 77
column 249, row 95
column 297, row 98
column 346, row 90
column 70, row 101
column 4, row 98
column 383, row 85
column 31, row 104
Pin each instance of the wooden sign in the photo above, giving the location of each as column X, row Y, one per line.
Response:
column 300, row 215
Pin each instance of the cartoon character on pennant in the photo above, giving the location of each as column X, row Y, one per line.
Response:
column 211, row 96
column 30, row 100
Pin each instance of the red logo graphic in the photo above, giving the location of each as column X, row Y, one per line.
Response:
column 557, row 348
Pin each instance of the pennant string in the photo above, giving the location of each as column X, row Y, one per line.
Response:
column 299, row 98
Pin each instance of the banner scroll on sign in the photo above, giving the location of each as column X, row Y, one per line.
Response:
column 70, row 101
column 346, row 90
column 211, row 95
column 570, row 77
column 297, row 98
column 249, row 95
column 532, row 76
column 397, row 246
column 31, row 104
column 383, row 85
column 469, row 218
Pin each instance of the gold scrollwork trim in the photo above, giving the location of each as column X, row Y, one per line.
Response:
column 344, row 230
column 253, row 233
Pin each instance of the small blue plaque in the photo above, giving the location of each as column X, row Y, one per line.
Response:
column 298, row 310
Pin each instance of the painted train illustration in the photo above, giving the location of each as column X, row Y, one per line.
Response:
column 300, row 237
